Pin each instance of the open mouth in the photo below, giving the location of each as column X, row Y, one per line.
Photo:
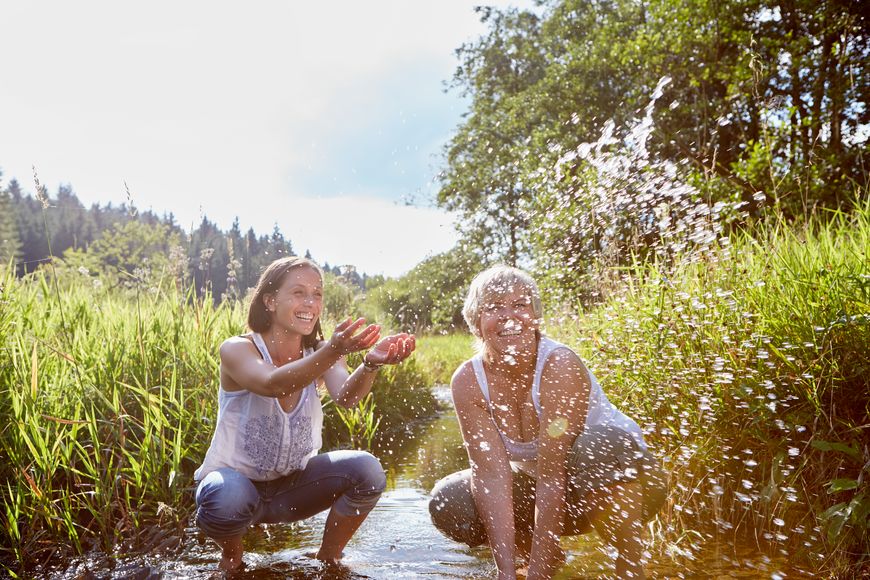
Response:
column 511, row 331
column 306, row 316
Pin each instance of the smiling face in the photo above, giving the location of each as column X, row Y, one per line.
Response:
column 508, row 325
column 297, row 304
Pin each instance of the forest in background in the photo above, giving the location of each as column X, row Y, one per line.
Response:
column 118, row 245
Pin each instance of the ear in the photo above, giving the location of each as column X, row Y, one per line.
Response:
column 269, row 301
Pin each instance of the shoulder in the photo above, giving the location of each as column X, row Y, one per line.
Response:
column 564, row 371
column 237, row 346
column 463, row 385
column 562, row 359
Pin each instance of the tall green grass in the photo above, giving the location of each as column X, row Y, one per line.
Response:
column 107, row 405
column 749, row 371
column 441, row 354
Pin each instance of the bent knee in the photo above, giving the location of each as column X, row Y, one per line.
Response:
column 369, row 474
column 226, row 502
column 453, row 512
column 368, row 482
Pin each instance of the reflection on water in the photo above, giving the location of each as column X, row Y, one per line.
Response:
column 399, row 541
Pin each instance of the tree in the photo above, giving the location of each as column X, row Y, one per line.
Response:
column 483, row 177
column 764, row 95
column 130, row 253
column 430, row 296
column 10, row 243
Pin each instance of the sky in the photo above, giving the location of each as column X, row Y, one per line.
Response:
column 323, row 118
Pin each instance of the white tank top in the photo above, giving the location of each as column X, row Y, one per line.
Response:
column 257, row 438
column 601, row 411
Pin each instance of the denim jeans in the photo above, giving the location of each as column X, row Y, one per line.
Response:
column 227, row 502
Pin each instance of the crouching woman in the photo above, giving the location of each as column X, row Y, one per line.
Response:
column 263, row 464
column 549, row 454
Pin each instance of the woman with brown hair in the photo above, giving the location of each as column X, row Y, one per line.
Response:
column 263, row 464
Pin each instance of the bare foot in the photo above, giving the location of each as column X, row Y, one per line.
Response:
column 230, row 565
column 329, row 560
column 225, row 573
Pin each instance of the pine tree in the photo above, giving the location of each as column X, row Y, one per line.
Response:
column 10, row 242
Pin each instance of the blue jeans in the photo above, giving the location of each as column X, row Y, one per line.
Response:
column 351, row 482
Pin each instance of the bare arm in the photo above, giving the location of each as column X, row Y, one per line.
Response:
column 243, row 364
column 564, row 404
column 491, row 476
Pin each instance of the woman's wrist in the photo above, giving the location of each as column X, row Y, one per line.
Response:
column 370, row 366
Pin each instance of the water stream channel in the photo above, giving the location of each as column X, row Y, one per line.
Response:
column 399, row 541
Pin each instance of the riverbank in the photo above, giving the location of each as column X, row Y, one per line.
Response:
column 108, row 399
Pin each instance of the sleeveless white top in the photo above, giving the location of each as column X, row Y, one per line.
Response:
column 524, row 454
column 260, row 440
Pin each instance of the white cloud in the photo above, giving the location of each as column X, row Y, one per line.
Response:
column 232, row 109
column 375, row 235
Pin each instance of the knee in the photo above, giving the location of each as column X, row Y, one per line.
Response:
column 367, row 482
column 453, row 513
column 368, row 474
column 226, row 502
column 439, row 505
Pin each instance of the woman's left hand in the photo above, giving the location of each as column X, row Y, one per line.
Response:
column 391, row 350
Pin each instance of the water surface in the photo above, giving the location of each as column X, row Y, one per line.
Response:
column 399, row 541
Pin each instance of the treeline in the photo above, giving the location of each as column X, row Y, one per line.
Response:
column 120, row 245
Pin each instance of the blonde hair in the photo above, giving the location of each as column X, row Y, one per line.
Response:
column 495, row 278
column 259, row 318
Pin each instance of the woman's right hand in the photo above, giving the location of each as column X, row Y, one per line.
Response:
column 344, row 341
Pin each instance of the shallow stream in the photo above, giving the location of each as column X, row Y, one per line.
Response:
column 399, row 541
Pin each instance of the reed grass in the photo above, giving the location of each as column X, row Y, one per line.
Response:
column 107, row 406
column 441, row 354
column 748, row 371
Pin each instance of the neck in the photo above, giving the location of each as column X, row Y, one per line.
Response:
column 283, row 345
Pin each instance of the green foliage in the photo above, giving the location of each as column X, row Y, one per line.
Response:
column 10, row 241
column 483, row 179
column 108, row 398
column 763, row 97
column 360, row 422
column 441, row 354
column 128, row 251
column 429, row 297
column 401, row 393
column 339, row 298
column 748, row 372
column 120, row 244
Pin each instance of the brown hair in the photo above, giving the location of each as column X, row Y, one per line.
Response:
column 260, row 319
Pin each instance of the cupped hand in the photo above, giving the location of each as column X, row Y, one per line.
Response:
column 392, row 349
column 345, row 341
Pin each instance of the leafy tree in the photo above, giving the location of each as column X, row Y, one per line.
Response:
column 430, row 296
column 483, row 177
column 130, row 253
column 764, row 95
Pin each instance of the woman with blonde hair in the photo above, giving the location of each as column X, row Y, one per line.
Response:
column 549, row 454
column 263, row 464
